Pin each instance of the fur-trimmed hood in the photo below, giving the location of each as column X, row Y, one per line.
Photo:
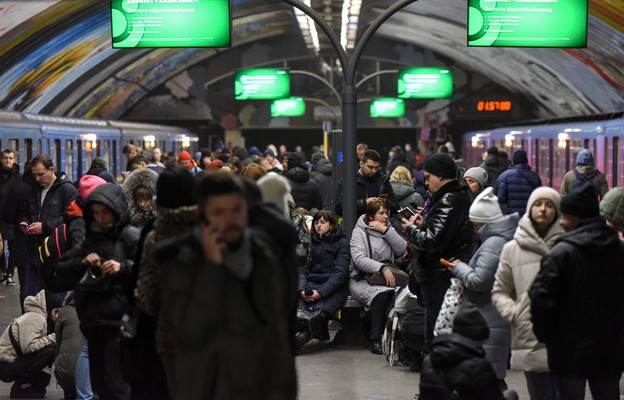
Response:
column 143, row 177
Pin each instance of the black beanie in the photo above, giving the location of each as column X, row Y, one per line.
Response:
column 519, row 158
column 175, row 188
column 442, row 165
column 294, row 160
column 582, row 202
column 53, row 300
column 469, row 322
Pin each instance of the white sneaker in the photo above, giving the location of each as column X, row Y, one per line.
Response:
column 9, row 281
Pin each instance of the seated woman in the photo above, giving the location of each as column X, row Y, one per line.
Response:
column 323, row 279
column 372, row 241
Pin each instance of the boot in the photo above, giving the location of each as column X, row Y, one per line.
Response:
column 301, row 338
column 41, row 380
column 22, row 389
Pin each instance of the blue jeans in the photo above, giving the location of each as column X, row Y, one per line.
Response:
column 32, row 280
column 83, row 380
column 602, row 387
column 541, row 385
column 432, row 295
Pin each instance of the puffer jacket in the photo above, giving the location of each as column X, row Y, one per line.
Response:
column 7, row 177
column 577, row 302
column 458, row 362
column 384, row 247
column 590, row 173
column 322, row 174
column 328, row 270
column 104, row 310
column 478, row 279
column 30, row 330
column 514, row 186
column 143, row 177
column 406, row 195
column 70, row 341
column 518, row 266
column 305, row 191
column 447, row 232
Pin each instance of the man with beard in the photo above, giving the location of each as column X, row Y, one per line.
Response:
column 225, row 299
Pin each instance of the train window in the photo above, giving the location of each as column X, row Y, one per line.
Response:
column 69, row 159
column 57, row 157
column 28, row 149
column 606, row 160
column 586, row 144
column 39, row 149
column 551, row 157
column 559, row 164
column 79, row 160
column 543, row 155
column 106, row 152
column 113, row 167
column 14, row 145
column 98, row 146
column 618, row 163
column 89, row 158
column 536, row 155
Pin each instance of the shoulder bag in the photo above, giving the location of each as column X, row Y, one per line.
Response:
column 453, row 299
column 377, row 279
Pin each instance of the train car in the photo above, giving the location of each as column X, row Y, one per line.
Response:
column 73, row 143
column 552, row 148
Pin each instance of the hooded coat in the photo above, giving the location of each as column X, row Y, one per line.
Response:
column 518, row 266
column 104, row 310
column 328, row 270
column 143, row 177
column 322, row 174
column 406, row 195
column 384, row 247
column 590, row 173
column 304, row 190
column 514, row 187
column 69, row 342
column 478, row 279
column 577, row 302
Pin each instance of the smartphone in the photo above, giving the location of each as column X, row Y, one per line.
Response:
column 407, row 212
column 447, row 263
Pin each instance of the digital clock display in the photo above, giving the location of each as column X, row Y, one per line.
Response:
column 494, row 105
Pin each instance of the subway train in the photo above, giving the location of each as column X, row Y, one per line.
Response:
column 552, row 148
column 72, row 143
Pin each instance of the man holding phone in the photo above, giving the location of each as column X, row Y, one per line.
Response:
column 443, row 232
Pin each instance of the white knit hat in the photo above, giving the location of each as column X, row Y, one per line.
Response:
column 545, row 192
column 485, row 207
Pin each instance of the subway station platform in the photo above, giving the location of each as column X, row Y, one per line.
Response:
column 324, row 371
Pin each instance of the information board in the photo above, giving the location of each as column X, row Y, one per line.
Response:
column 387, row 107
column 170, row 23
column 291, row 107
column 527, row 23
column 425, row 83
column 262, row 84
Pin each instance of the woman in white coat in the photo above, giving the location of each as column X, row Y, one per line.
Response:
column 537, row 232
column 373, row 240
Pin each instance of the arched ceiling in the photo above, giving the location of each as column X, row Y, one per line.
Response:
column 56, row 55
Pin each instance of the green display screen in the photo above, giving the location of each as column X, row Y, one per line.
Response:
column 425, row 83
column 387, row 107
column 262, row 84
column 292, row 107
column 527, row 23
column 170, row 23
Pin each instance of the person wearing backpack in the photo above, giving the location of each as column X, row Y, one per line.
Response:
column 584, row 172
column 514, row 186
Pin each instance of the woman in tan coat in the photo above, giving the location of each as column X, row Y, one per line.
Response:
column 519, row 264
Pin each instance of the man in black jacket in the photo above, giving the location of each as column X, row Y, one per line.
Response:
column 8, row 174
column 304, row 190
column 577, row 302
column 441, row 230
column 371, row 183
column 44, row 210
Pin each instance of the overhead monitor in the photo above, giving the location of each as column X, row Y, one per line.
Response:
column 425, row 83
column 170, row 23
column 262, row 84
column 291, row 107
column 387, row 107
column 527, row 23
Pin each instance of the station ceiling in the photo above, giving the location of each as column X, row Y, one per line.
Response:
column 56, row 55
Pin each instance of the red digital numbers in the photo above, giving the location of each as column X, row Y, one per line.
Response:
column 494, row 105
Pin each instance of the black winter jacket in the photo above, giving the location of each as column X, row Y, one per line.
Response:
column 447, row 232
column 51, row 213
column 328, row 270
column 322, row 174
column 383, row 182
column 7, row 177
column 577, row 301
column 457, row 363
column 305, row 191
column 99, row 310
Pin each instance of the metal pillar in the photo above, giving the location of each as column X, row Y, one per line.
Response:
column 349, row 100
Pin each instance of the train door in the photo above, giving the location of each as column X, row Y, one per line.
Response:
column 13, row 145
column 80, row 157
column 28, row 149
column 115, row 165
column 69, row 159
column 59, row 163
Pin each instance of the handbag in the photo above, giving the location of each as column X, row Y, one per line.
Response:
column 377, row 279
column 453, row 299
column 93, row 281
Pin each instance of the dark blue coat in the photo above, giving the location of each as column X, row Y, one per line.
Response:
column 328, row 270
column 514, row 186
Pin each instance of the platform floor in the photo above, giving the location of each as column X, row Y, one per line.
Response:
column 324, row 371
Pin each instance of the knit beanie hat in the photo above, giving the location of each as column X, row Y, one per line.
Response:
column 612, row 206
column 294, row 160
column 544, row 192
column 316, row 157
column 582, row 203
column 485, row 207
column 175, row 188
column 87, row 184
column 519, row 158
column 107, row 176
column 469, row 322
column 53, row 301
column 241, row 153
column 253, row 150
column 214, row 165
column 478, row 174
column 585, row 157
column 269, row 152
column 184, row 155
column 442, row 165
column 275, row 189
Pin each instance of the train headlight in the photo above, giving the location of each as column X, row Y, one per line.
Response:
column 91, row 141
column 509, row 140
column 186, row 142
column 562, row 139
column 149, row 141
column 475, row 141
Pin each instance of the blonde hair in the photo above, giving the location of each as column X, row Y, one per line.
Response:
column 401, row 173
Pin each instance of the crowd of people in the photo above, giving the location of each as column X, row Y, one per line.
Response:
column 151, row 288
